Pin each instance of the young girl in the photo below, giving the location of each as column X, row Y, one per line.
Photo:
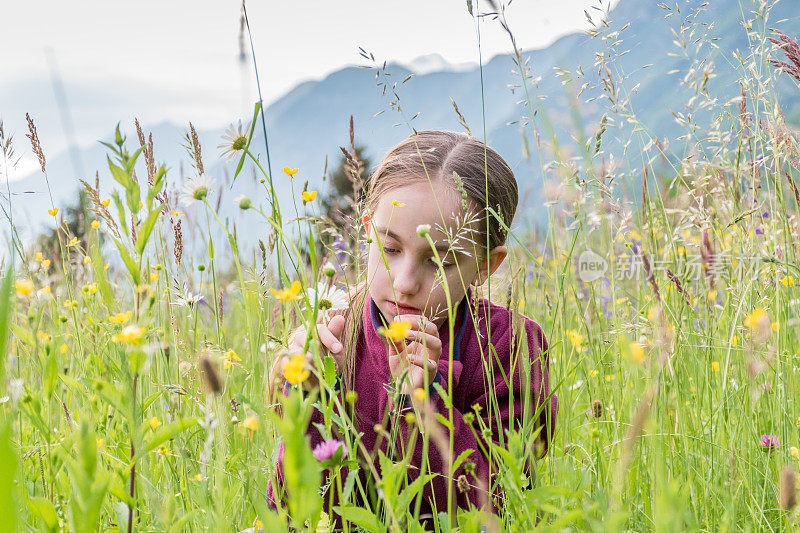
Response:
column 431, row 191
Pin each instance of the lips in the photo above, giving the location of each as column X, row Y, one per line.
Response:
column 401, row 309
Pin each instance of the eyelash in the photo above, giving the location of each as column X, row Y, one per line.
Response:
column 391, row 251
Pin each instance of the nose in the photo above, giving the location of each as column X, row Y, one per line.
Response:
column 405, row 277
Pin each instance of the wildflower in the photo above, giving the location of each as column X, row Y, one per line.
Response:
column 45, row 291
column 153, row 277
column 286, row 295
column 120, row 318
column 794, row 452
column 95, row 224
column 398, row 204
column 769, row 442
column 24, row 287
column 787, row 281
column 774, row 326
column 38, row 256
column 53, row 212
column 73, row 242
column 176, row 214
column 229, row 358
column 63, row 348
column 715, row 366
column 198, row 477
column 327, row 450
column 291, row 171
column 45, row 337
column 596, row 409
column 129, row 335
column 423, row 230
column 758, row 319
column 45, row 263
column 197, row 189
column 251, row 422
column 576, row 339
column 154, row 422
column 235, row 141
column 637, row 351
column 419, row 394
column 244, row 202
column 87, row 260
column 91, row 288
column 294, row 370
column 327, row 297
column 106, row 202
column 308, row 196
column 397, row 330
column 99, row 442
column 328, row 269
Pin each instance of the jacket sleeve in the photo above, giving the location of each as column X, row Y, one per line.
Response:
column 508, row 385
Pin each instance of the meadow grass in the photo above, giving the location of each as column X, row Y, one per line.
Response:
column 135, row 380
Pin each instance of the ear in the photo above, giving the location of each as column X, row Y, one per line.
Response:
column 487, row 267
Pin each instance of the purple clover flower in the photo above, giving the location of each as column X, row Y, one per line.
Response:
column 759, row 232
column 326, row 450
column 769, row 442
column 766, row 214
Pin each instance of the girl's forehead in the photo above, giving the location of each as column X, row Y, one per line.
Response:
column 403, row 209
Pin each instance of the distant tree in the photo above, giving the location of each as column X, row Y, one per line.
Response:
column 339, row 205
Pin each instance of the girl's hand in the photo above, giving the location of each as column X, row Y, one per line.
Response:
column 418, row 357
column 330, row 336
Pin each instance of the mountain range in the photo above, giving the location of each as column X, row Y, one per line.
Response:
column 653, row 53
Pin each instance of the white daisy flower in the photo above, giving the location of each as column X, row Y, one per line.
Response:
column 235, row 138
column 196, row 189
column 332, row 298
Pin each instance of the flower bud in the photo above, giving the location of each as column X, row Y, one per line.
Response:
column 244, row 203
column 328, row 269
column 423, row 230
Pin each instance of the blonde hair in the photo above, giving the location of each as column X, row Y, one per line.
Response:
column 477, row 173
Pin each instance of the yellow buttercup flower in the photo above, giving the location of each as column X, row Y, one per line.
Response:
column 794, row 452
column 715, row 366
column 229, row 358
column 637, row 351
column 46, row 290
column 129, row 335
column 308, row 196
column 291, row 171
column 38, row 256
column 154, row 422
column 120, row 318
column 95, row 224
column 251, row 422
column 45, row 263
column 53, row 212
column 91, row 288
column 176, row 214
column 397, row 330
column 24, row 287
column 87, row 260
column 286, row 295
column 73, row 242
column 398, row 204
column 576, row 339
column 294, row 370
column 63, row 349
column 106, row 202
column 758, row 319
column 787, row 281
column 153, row 276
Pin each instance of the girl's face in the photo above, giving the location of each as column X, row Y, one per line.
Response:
column 411, row 284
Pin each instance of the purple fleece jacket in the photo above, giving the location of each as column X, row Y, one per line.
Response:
column 469, row 389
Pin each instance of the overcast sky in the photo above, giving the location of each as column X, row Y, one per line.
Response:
column 177, row 60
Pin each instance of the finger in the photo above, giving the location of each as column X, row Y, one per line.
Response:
column 328, row 338
column 432, row 343
column 419, row 323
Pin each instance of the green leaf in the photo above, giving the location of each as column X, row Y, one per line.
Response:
column 361, row 517
column 119, row 174
column 170, row 431
column 23, row 334
column 330, row 370
column 132, row 267
column 121, row 212
column 249, row 139
column 147, row 229
column 443, row 421
column 8, row 474
column 5, row 316
column 50, row 373
column 43, row 508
